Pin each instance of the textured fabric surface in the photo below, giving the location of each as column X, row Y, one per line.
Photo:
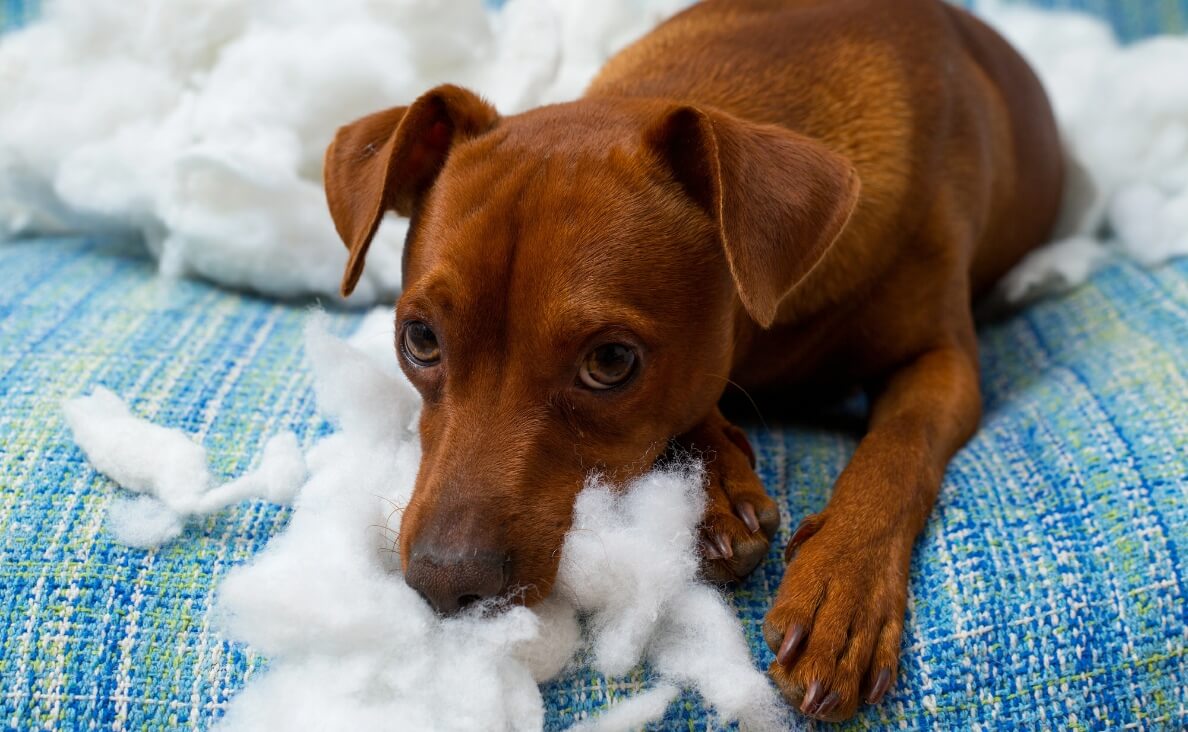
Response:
column 16, row 13
column 1048, row 590
column 1132, row 19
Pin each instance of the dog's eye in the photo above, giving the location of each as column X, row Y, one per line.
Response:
column 420, row 344
column 608, row 366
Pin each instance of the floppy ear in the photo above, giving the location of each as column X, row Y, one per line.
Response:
column 779, row 199
column 388, row 160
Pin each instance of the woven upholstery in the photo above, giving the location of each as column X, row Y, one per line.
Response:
column 1048, row 587
column 1048, row 590
column 1132, row 19
column 16, row 13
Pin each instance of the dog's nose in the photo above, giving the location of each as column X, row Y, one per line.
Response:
column 452, row 580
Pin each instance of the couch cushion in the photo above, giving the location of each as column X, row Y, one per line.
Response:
column 1048, row 589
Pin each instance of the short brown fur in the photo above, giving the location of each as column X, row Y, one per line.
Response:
column 782, row 194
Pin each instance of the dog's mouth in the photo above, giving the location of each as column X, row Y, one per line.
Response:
column 479, row 555
column 517, row 595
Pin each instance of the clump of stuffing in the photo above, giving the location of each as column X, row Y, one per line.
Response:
column 1123, row 115
column 351, row 646
column 216, row 159
column 170, row 469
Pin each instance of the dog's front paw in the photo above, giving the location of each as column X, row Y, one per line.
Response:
column 740, row 522
column 740, row 518
column 837, row 618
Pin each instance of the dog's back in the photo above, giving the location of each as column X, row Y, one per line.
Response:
column 921, row 97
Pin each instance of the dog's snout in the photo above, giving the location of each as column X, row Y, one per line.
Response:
column 453, row 579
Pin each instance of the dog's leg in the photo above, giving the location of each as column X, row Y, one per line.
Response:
column 836, row 622
column 740, row 518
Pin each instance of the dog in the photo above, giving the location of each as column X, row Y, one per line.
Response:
column 799, row 195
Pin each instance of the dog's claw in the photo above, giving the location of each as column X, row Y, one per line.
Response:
column 811, row 697
column 879, row 688
column 790, row 646
column 708, row 550
column 826, row 707
column 747, row 513
column 725, row 550
column 809, row 526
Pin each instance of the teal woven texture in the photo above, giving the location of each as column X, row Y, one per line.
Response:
column 1048, row 591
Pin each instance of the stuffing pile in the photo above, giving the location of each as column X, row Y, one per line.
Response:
column 200, row 124
column 1123, row 114
column 351, row 646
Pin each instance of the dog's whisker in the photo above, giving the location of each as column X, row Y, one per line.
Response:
column 385, row 499
column 747, row 394
column 389, row 529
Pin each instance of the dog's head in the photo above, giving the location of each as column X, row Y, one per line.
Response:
column 572, row 286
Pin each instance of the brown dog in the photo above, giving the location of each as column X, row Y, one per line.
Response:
column 789, row 193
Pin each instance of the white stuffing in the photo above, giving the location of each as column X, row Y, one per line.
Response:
column 633, row 713
column 138, row 455
column 1059, row 266
column 351, row 646
column 170, row 469
column 143, row 522
column 643, row 600
column 200, row 124
column 1123, row 114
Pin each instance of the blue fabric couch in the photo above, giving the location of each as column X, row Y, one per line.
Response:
column 1048, row 591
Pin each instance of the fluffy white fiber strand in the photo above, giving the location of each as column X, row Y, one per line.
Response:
column 351, row 646
column 201, row 124
column 170, row 469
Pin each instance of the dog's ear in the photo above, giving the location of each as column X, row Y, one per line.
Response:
column 388, row 160
column 779, row 199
